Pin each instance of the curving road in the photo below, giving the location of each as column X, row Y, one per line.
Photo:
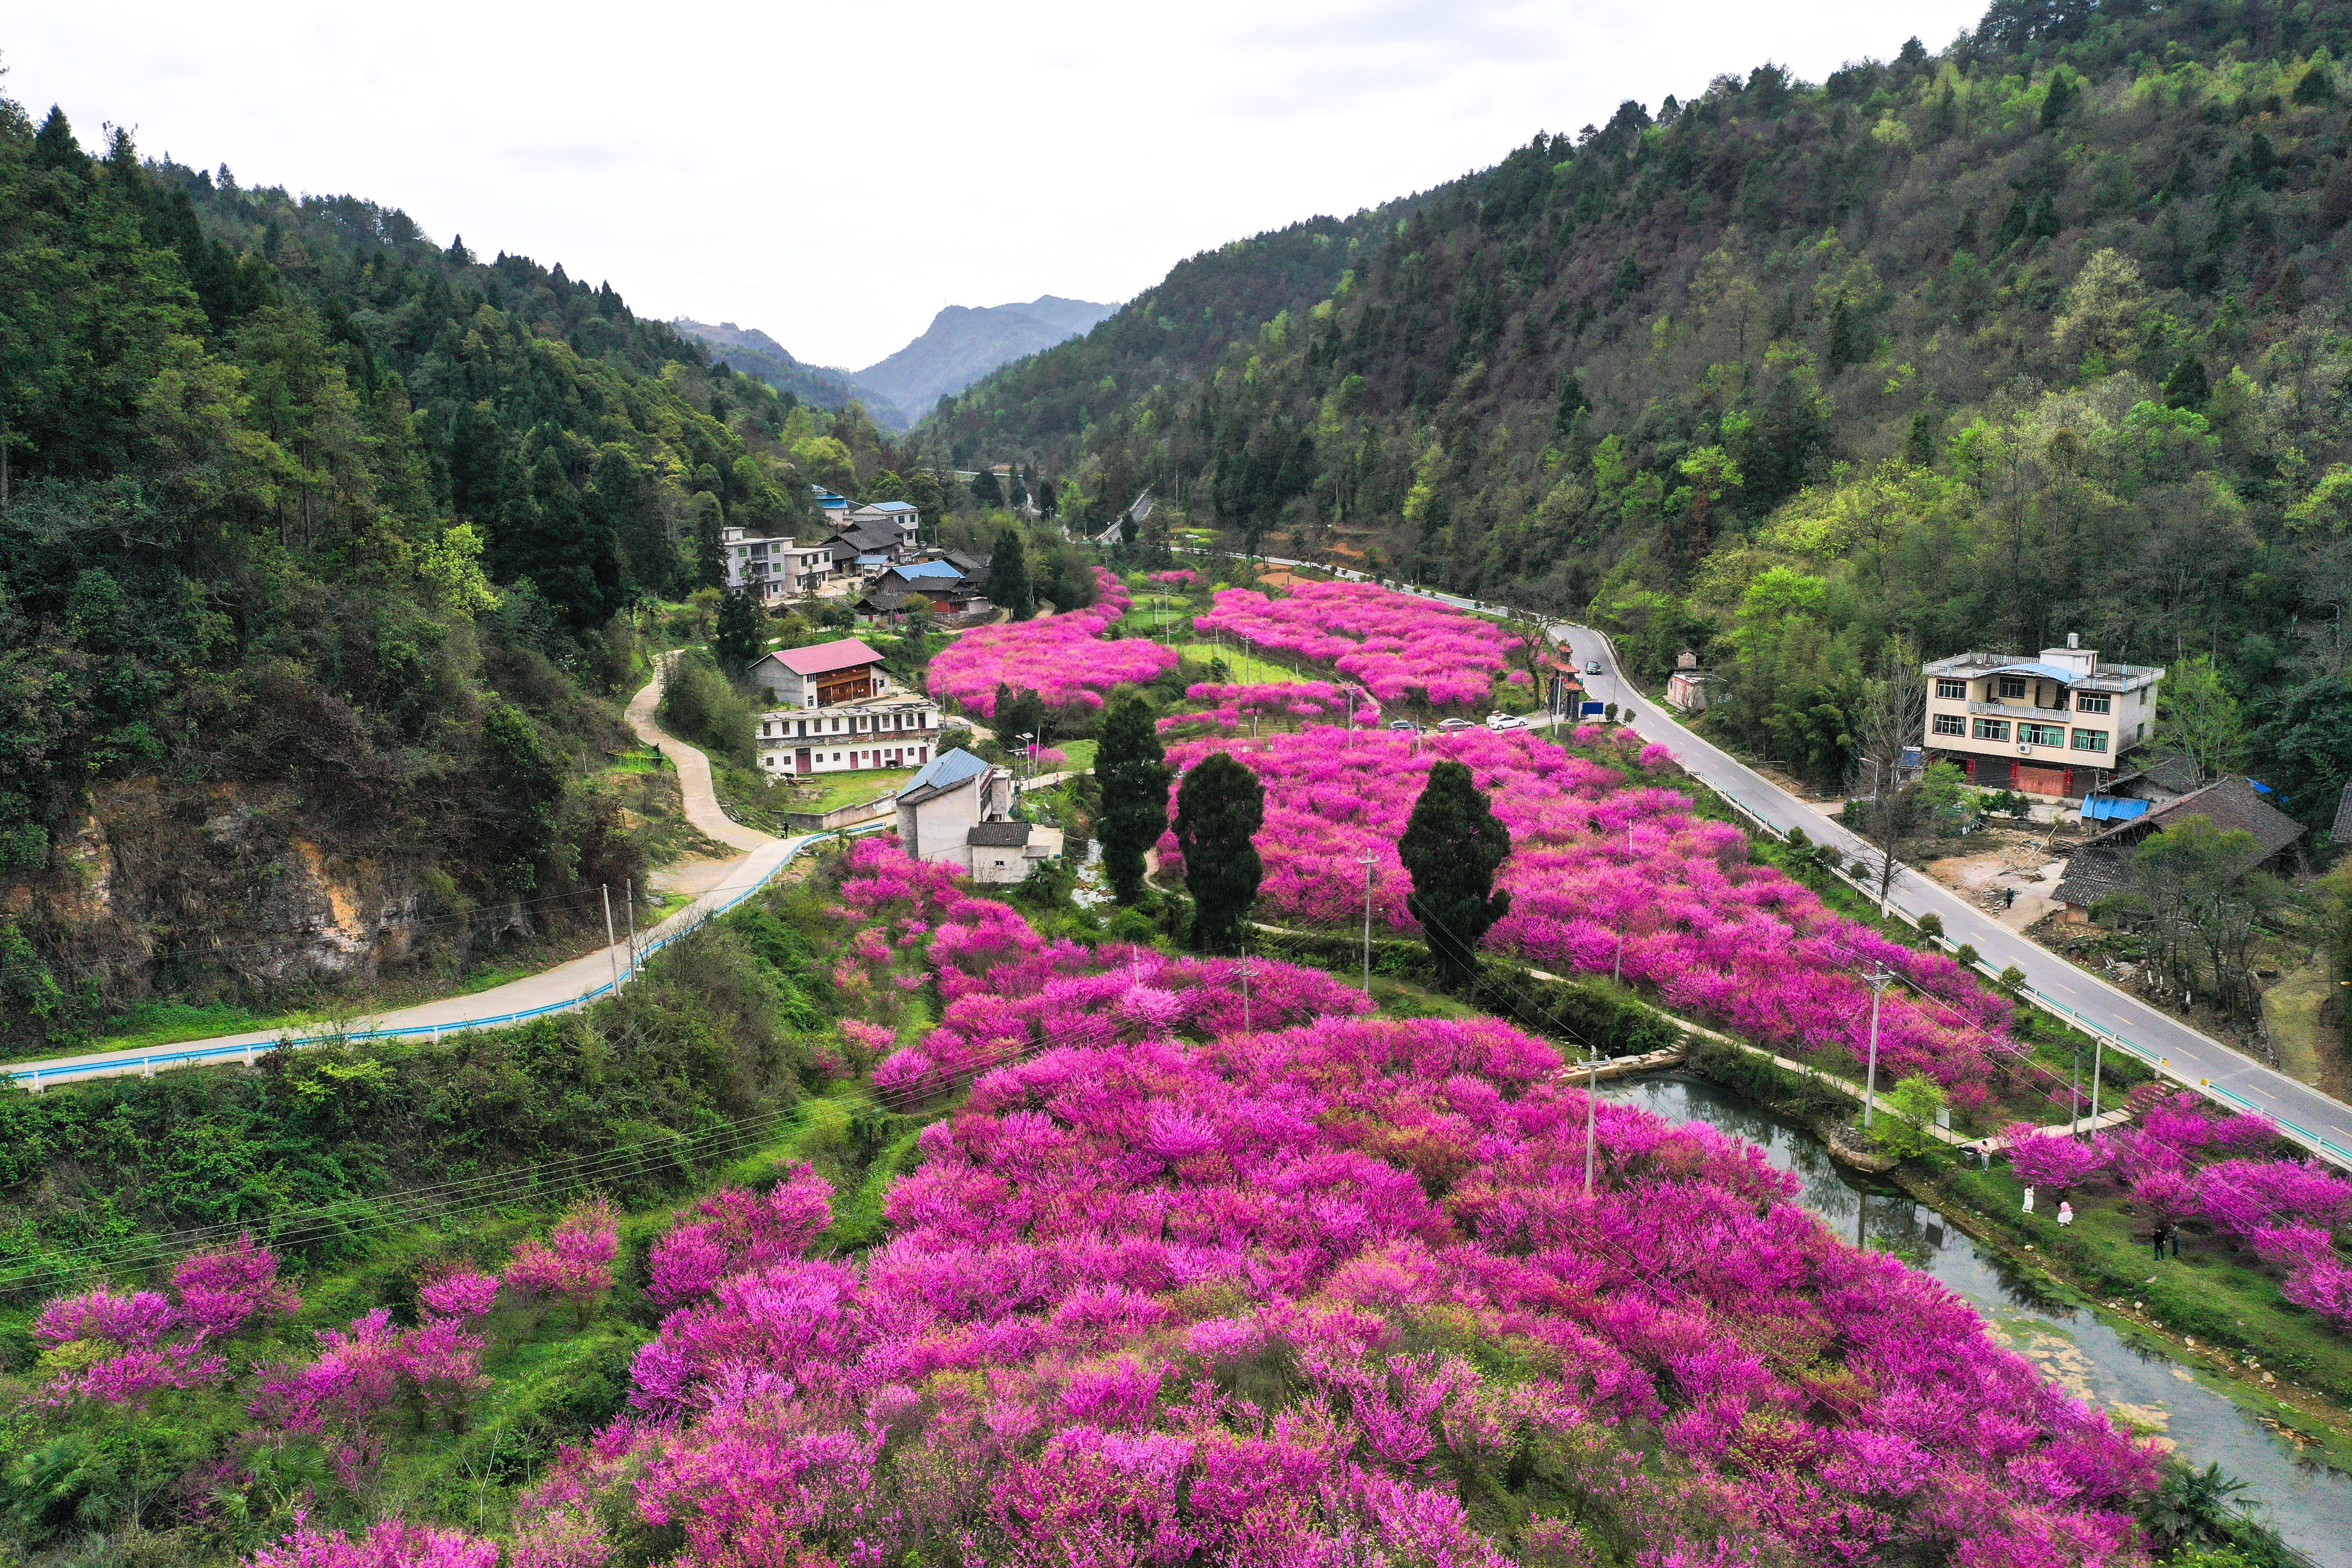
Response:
column 716, row 885
column 2318, row 1121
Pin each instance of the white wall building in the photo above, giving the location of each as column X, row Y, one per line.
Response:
column 770, row 567
column 900, row 730
column 958, row 812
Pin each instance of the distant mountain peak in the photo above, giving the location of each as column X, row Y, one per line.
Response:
column 965, row 342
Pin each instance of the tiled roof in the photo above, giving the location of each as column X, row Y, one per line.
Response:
column 2232, row 803
column 2093, row 874
column 2166, row 770
column 997, row 835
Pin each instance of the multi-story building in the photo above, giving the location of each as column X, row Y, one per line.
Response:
column 962, row 812
column 2056, row 724
column 770, row 567
column 836, row 711
column 897, row 729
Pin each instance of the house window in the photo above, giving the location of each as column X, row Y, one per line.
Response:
column 1950, row 724
column 2042, row 734
column 1951, row 690
column 2013, row 686
column 2092, row 702
column 2090, row 740
column 1993, row 730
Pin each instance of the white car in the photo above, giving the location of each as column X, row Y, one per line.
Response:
column 1506, row 722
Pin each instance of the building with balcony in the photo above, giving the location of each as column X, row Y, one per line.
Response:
column 820, row 675
column 897, row 729
column 770, row 567
column 2057, row 724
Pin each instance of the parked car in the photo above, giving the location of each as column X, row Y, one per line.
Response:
column 1593, row 666
column 1506, row 722
column 1452, row 725
column 1405, row 726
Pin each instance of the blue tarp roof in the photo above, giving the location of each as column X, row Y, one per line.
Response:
column 2111, row 808
column 929, row 569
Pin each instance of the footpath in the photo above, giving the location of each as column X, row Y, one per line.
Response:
column 714, row 886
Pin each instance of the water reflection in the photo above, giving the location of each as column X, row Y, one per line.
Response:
column 2310, row 1504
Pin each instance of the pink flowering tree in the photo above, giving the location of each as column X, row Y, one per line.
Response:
column 2051, row 1159
column 1064, row 659
column 120, row 1348
column 574, row 1264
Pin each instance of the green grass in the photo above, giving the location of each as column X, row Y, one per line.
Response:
column 170, row 1022
column 825, row 792
column 642, row 760
column 1081, row 754
column 2211, row 1293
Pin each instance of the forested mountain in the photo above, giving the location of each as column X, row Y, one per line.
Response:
column 317, row 540
column 964, row 344
column 2046, row 333
column 755, row 353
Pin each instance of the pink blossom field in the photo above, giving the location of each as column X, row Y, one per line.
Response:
column 1064, row 658
column 1396, row 644
column 1597, row 861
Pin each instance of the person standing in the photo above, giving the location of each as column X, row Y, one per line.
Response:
column 2172, row 1234
column 2066, row 1212
column 2029, row 1200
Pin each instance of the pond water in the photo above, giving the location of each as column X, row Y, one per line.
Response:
column 2309, row 1503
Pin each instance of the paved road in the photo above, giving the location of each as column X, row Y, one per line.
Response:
column 2186, row 1054
column 715, row 884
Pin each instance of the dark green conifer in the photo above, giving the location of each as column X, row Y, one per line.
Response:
column 1220, row 806
column 1008, row 575
column 1453, row 843
column 1131, row 769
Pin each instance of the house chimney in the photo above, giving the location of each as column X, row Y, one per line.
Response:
column 2073, row 640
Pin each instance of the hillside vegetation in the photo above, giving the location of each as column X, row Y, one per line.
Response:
column 318, row 545
column 2041, row 334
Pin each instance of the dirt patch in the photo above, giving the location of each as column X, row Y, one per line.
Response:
column 2011, row 877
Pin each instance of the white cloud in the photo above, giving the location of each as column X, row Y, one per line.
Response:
column 835, row 174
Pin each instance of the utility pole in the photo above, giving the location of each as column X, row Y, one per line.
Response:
column 2075, row 1092
column 1592, row 1108
column 1879, row 979
column 631, row 887
column 2098, row 1048
column 612, row 944
column 1367, row 924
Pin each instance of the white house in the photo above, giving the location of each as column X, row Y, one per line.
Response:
column 820, row 675
column 899, row 730
column 770, row 567
column 958, row 812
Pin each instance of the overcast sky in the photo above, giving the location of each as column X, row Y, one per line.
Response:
column 835, row 173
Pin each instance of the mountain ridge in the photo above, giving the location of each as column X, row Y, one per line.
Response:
column 965, row 342
column 2040, row 334
column 755, row 353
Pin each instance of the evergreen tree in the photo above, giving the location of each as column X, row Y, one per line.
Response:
column 1571, row 400
column 2057, row 99
column 1452, row 845
column 1219, row 808
column 2187, row 386
column 742, row 633
column 1131, row 769
column 1008, row 575
column 1920, row 443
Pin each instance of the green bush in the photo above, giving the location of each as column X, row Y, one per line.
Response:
column 699, row 705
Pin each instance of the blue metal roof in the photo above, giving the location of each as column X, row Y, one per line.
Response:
column 894, row 506
column 2111, row 808
column 929, row 569
column 948, row 768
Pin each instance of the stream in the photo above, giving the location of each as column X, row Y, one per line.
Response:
column 2310, row 1504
